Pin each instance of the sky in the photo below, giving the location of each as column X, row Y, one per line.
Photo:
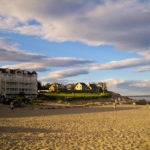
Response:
column 69, row 41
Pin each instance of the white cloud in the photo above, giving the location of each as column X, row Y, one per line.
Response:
column 30, row 30
column 129, row 87
column 141, row 84
column 113, row 82
column 62, row 74
column 10, row 53
column 8, row 23
column 124, row 24
column 143, row 69
column 27, row 66
column 127, row 63
column 46, row 63
column 31, row 61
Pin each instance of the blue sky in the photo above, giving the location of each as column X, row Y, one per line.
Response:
column 79, row 41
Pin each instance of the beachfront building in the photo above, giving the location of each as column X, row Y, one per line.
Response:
column 70, row 86
column 56, row 87
column 80, row 86
column 16, row 81
column 102, row 86
column 93, row 87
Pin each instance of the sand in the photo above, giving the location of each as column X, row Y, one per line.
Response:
column 92, row 128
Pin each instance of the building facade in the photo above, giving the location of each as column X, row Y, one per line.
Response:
column 56, row 87
column 102, row 86
column 93, row 87
column 16, row 81
column 80, row 86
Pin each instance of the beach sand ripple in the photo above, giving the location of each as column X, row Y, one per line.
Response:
column 127, row 129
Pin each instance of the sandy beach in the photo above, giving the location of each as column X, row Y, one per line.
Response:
column 87, row 128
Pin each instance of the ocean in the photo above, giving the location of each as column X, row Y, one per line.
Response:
column 147, row 98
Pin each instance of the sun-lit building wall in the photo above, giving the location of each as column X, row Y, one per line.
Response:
column 14, row 82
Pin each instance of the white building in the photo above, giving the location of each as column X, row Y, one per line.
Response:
column 16, row 81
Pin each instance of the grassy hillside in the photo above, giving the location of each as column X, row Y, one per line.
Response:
column 74, row 95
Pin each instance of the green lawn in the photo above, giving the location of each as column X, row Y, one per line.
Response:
column 76, row 94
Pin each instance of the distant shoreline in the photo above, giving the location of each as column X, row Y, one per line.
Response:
column 147, row 98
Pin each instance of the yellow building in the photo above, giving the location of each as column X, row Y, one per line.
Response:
column 80, row 86
column 55, row 87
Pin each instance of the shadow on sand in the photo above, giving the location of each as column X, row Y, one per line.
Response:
column 18, row 129
column 37, row 111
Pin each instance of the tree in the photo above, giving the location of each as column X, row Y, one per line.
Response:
column 46, row 86
column 39, row 85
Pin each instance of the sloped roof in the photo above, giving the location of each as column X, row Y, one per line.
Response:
column 92, row 85
column 13, row 71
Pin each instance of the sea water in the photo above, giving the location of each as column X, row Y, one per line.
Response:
column 147, row 98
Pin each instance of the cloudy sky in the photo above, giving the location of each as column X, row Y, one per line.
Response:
column 69, row 41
